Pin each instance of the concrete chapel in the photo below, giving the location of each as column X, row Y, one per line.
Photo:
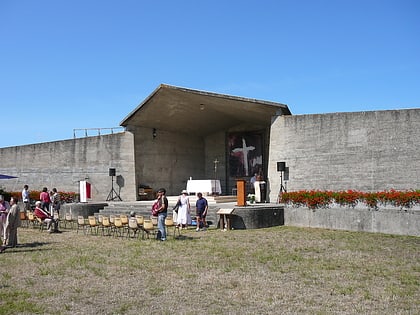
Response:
column 182, row 133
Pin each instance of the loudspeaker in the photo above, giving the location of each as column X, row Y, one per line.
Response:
column 281, row 166
column 112, row 172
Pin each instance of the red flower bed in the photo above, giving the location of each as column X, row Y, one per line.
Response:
column 66, row 197
column 314, row 199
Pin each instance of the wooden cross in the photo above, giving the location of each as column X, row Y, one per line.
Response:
column 216, row 161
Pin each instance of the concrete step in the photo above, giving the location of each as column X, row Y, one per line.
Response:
column 224, row 199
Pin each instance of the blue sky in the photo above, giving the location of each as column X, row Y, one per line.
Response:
column 88, row 63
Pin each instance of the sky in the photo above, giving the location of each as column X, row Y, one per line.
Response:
column 77, row 64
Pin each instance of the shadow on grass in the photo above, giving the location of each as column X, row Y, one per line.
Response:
column 27, row 247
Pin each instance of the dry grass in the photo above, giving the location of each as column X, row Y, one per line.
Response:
column 280, row 270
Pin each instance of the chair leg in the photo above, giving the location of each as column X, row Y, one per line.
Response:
column 176, row 228
column 147, row 234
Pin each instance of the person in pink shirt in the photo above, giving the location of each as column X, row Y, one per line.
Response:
column 45, row 199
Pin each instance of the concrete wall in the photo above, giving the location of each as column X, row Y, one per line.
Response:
column 168, row 160
column 171, row 158
column 366, row 151
column 62, row 164
column 215, row 148
column 387, row 221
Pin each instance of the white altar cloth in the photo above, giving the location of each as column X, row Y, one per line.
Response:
column 258, row 191
column 205, row 186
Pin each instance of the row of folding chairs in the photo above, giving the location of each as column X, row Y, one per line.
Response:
column 122, row 225
column 28, row 219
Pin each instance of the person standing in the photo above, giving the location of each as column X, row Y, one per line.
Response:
column 252, row 182
column 56, row 201
column 4, row 210
column 12, row 223
column 45, row 199
column 201, row 207
column 26, row 199
column 162, row 213
column 183, row 210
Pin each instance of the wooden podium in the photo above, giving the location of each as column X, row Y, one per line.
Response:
column 241, row 192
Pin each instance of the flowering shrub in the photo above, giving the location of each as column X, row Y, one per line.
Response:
column 314, row 199
column 66, row 197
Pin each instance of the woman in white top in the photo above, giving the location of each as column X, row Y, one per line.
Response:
column 182, row 219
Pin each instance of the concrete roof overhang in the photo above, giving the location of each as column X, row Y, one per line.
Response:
column 200, row 113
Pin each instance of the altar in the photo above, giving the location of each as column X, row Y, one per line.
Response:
column 205, row 186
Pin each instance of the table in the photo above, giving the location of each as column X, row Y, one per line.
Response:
column 146, row 194
column 224, row 218
column 205, row 186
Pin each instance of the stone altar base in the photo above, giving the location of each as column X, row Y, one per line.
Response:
column 81, row 208
column 256, row 216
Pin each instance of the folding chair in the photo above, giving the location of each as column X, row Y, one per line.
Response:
column 68, row 220
column 81, row 223
column 169, row 223
column 106, row 225
column 32, row 219
column 148, row 228
column 93, row 225
column 23, row 219
column 118, row 227
column 133, row 226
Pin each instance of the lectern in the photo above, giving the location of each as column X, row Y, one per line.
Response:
column 241, row 192
column 85, row 191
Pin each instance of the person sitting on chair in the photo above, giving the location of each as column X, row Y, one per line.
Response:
column 45, row 216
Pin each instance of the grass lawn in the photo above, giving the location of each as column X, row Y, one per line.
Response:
column 281, row 270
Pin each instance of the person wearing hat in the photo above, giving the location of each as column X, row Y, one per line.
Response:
column 41, row 213
column 184, row 217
